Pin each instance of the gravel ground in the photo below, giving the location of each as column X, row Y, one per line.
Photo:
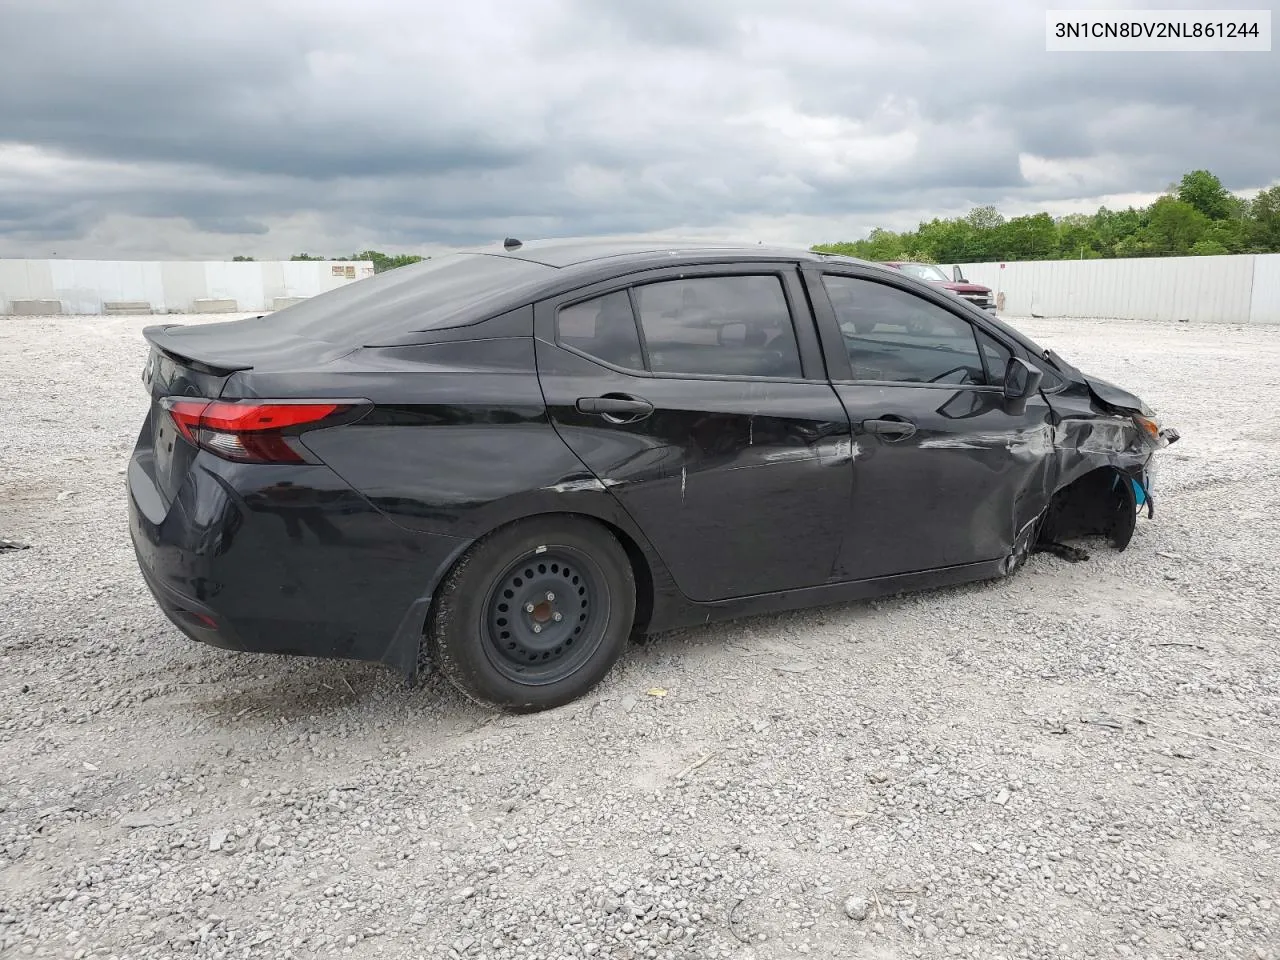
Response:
column 1080, row 761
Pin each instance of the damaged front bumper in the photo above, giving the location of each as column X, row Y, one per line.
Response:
column 1144, row 490
column 1104, row 479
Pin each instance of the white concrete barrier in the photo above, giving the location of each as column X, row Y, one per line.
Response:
column 119, row 308
column 1232, row 289
column 209, row 305
column 35, row 308
column 87, row 286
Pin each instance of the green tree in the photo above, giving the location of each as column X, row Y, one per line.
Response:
column 841, row 248
column 948, row 241
column 1263, row 223
column 1175, row 227
column 1115, row 228
column 1076, row 236
column 1136, row 245
column 883, row 245
column 240, row 259
column 1205, row 192
column 1231, row 235
column 1195, row 215
column 382, row 261
column 985, row 218
column 1034, row 237
column 1208, row 248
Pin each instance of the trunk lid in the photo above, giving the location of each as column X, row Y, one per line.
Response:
column 198, row 361
column 163, row 454
column 255, row 343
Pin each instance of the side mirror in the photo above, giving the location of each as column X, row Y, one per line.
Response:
column 1021, row 381
column 958, row 275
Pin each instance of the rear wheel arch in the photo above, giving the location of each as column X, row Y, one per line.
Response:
column 449, row 640
column 642, row 561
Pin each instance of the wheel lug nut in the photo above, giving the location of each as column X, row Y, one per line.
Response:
column 528, row 608
column 550, row 595
column 537, row 628
column 558, row 617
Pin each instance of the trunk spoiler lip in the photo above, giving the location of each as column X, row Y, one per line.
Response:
column 157, row 336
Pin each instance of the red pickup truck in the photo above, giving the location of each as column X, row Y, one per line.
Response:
column 975, row 293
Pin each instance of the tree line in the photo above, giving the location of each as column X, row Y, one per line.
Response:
column 1197, row 216
column 381, row 261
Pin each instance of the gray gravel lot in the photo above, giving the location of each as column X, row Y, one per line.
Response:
column 1080, row 761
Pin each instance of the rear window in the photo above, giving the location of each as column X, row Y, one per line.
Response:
column 737, row 326
column 446, row 291
column 603, row 327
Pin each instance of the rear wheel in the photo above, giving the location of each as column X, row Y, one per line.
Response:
column 535, row 614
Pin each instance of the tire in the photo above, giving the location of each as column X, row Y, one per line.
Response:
column 566, row 576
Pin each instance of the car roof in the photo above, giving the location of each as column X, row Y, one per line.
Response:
column 467, row 286
column 622, row 252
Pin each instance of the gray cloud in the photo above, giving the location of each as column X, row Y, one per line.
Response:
column 236, row 126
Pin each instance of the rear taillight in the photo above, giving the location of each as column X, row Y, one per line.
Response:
column 257, row 431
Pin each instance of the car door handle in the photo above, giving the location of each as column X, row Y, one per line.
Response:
column 616, row 408
column 890, row 429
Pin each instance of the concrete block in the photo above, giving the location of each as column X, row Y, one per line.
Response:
column 209, row 305
column 35, row 308
column 115, row 308
column 279, row 303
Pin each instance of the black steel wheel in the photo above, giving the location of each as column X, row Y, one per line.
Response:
column 543, row 615
column 534, row 615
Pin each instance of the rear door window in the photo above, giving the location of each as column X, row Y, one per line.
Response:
column 738, row 326
column 604, row 328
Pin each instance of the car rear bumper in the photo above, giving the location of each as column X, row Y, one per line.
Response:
column 285, row 560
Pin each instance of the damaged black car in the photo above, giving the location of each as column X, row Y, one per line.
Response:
column 509, row 461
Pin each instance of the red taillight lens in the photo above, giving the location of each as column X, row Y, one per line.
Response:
column 254, row 431
column 254, row 417
column 186, row 414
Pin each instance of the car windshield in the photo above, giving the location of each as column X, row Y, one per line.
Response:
column 926, row 271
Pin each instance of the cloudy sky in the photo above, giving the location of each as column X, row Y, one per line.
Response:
column 186, row 129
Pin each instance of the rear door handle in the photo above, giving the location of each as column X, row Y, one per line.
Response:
column 890, row 429
column 616, row 408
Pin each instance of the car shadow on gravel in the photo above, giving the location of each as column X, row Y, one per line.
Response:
column 797, row 641
column 265, row 688
column 792, row 625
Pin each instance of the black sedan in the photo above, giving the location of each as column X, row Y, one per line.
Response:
column 511, row 460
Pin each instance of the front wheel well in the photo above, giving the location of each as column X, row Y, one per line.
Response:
column 1102, row 502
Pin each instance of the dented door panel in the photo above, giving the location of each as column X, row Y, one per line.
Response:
column 1011, row 478
column 742, row 487
column 959, row 490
